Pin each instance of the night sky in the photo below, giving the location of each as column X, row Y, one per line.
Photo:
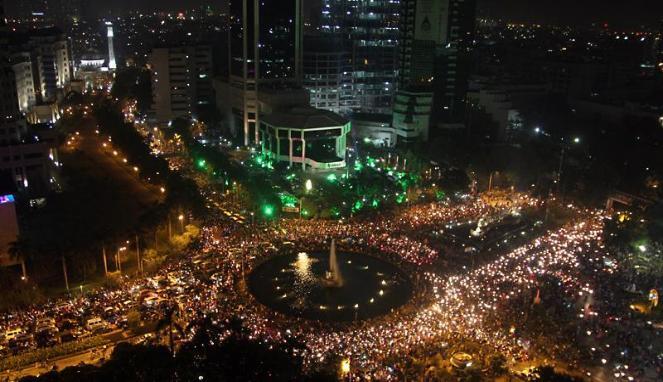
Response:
column 616, row 12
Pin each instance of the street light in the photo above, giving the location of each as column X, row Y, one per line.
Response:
column 309, row 185
column 576, row 140
column 118, row 258
column 181, row 219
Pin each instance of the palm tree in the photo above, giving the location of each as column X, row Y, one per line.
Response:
column 168, row 320
column 20, row 250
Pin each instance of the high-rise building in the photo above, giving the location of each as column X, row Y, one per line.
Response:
column 27, row 153
column 25, row 81
column 434, row 64
column 112, row 65
column 52, row 63
column 453, row 62
column 181, row 80
column 265, row 43
column 328, row 74
column 371, row 28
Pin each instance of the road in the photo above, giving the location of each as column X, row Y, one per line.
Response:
column 90, row 356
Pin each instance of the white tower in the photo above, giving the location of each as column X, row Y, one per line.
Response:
column 112, row 65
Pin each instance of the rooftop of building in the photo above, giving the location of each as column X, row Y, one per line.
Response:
column 304, row 117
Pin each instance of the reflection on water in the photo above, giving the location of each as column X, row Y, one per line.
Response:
column 295, row 284
column 303, row 281
column 302, row 267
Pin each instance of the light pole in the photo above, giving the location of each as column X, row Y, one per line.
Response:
column 138, row 261
column 64, row 270
column 118, row 258
column 103, row 253
column 181, row 219
column 576, row 140
column 490, row 180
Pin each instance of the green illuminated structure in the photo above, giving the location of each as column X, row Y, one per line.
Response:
column 314, row 138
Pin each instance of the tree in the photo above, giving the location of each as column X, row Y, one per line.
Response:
column 237, row 358
column 20, row 250
column 168, row 321
column 221, row 352
column 655, row 221
column 497, row 365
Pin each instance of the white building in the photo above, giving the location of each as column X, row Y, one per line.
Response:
column 25, row 83
column 43, row 67
column 314, row 138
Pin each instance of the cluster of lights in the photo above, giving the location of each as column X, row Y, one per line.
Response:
column 469, row 305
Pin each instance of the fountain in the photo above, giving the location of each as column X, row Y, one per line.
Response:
column 333, row 278
column 478, row 232
column 330, row 286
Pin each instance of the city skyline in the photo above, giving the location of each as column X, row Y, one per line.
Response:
column 353, row 190
column 545, row 11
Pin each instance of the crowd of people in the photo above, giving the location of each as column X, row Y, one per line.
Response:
column 487, row 305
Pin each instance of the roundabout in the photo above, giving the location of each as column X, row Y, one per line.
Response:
column 329, row 286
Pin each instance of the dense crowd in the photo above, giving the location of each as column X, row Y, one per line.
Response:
column 483, row 305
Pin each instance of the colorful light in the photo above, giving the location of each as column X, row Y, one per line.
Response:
column 6, row 199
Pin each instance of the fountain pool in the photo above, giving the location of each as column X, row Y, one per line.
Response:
column 310, row 285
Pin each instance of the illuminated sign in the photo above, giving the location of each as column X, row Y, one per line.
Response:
column 6, row 199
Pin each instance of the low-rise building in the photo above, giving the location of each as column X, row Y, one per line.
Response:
column 375, row 129
column 314, row 138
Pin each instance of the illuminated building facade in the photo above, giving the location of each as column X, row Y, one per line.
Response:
column 434, row 63
column 265, row 43
column 25, row 82
column 181, row 81
column 50, row 55
column 313, row 138
column 328, row 74
column 27, row 153
column 371, row 29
